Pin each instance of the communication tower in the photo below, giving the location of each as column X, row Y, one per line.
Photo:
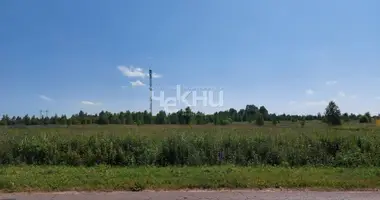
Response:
column 150, row 91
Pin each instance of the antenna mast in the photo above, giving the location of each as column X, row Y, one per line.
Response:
column 150, row 89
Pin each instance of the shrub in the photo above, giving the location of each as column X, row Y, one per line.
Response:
column 364, row 119
column 302, row 123
column 274, row 122
column 225, row 122
column 139, row 123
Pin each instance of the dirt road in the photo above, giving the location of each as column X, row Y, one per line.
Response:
column 197, row 195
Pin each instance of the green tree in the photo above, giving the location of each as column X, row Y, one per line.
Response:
column 46, row 120
column 5, row 120
column 200, row 118
column 364, row 119
column 345, row 117
column 264, row 112
column 216, row 119
column 260, row 119
column 147, row 117
column 160, row 117
column 274, row 121
column 54, row 119
column 27, row 120
column 188, row 116
column 251, row 112
column 128, row 118
column 69, row 122
column 63, row 120
column 173, row 118
column 34, row 120
column 103, row 118
column 332, row 114
column 368, row 115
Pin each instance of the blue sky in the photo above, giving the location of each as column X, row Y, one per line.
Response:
column 291, row 56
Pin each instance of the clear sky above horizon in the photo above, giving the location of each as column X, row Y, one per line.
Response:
column 290, row 56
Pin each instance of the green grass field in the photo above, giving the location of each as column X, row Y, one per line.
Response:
column 106, row 178
column 199, row 156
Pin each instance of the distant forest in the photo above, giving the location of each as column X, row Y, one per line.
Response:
column 185, row 116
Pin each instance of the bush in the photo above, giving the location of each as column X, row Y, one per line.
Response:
column 302, row 123
column 274, row 122
column 364, row 119
column 225, row 122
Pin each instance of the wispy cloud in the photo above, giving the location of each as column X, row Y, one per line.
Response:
column 154, row 75
column 316, row 103
column 131, row 71
column 341, row 94
column 136, row 72
column 309, row 91
column 46, row 98
column 91, row 103
column 137, row 83
column 331, row 82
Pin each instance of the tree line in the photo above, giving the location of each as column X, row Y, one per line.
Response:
column 251, row 113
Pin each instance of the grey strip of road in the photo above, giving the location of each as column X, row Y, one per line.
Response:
column 196, row 195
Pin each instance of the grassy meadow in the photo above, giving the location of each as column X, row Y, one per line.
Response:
column 203, row 156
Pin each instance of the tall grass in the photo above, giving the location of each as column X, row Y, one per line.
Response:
column 285, row 147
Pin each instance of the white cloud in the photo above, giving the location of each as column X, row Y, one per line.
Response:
column 331, row 82
column 309, row 92
column 137, row 83
column 43, row 97
column 377, row 97
column 342, row 94
column 91, row 103
column 154, row 75
column 131, row 71
column 316, row 103
column 136, row 72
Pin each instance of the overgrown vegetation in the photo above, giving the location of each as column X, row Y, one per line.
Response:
column 166, row 146
column 45, row 156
